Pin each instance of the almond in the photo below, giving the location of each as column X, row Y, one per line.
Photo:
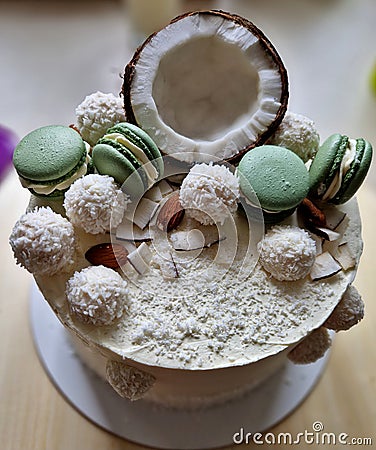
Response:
column 171, row 213
column 108, row 255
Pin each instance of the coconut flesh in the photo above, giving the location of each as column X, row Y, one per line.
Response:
column 208, row 86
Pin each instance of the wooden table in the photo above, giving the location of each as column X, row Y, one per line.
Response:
column 34, row 416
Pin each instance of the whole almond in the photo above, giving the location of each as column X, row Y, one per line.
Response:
column 108, row 255
column 171, row 213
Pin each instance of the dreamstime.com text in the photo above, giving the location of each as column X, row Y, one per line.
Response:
column 315, row 436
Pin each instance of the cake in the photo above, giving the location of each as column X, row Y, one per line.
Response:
column 194, row 291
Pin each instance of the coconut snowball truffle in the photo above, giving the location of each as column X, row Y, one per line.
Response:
column 43, row 242
column 297, row 133
column 312, row 348
column 348, row 312
column 127, row 381
column 287, row 252
column 209, row 193
column 97, row 113
column 95, row 203
column 97, row 295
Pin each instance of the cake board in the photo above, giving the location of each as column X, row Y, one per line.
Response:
column 155, row 426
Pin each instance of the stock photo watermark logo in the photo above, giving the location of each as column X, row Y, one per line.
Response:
column 316, row 436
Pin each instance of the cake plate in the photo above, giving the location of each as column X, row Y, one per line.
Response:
column 155, row 426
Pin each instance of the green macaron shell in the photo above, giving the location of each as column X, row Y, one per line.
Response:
column 49, row 154
column 326, row 164
column 108, row 160
column 356, row 173
column 131, row 160
column 276, row 175
column 143, row 141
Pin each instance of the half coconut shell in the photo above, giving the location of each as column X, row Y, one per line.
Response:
column 207, row 87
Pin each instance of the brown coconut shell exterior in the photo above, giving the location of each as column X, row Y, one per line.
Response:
column 269, row 49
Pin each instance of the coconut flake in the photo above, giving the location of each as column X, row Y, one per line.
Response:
column 143, row 214
column 141, row 258
column 325, row 266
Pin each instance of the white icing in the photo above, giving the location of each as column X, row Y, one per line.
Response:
column 209, row 317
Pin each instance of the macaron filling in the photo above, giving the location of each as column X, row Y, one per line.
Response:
column 348, row 161
column 139, row 151
column 60, row 184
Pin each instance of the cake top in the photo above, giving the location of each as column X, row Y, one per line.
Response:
column 219, row 262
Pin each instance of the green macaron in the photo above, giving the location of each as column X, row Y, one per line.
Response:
column 277, row 176
column 130, row 156
column 339, row 168
column 48, row 157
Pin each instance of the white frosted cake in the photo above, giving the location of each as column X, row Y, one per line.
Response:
column 187, row 280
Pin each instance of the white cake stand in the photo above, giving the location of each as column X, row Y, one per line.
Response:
column 155, row 426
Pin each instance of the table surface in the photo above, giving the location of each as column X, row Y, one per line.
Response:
column 50, row 61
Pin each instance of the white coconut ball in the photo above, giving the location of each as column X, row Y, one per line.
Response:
column 97, row 295
column 287, row 252
column 127, row 381
column 209, row 193
column 348, row 312
column 299, row 134
column 312, row 348
column 95, row 203
column 97, row 113
column 43, row 242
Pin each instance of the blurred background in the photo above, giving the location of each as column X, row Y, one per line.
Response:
column 54, row 53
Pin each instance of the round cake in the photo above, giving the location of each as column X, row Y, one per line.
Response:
column 188, row 277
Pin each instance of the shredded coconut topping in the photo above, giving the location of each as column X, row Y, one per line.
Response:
column 348, row 312
column 287, row 252
column 209, row 193
column 97, row 113
column 297, row 133
column 312, row 348
column 127, row 381
column 95, row 203
column 97, row 295
column 43, row 242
